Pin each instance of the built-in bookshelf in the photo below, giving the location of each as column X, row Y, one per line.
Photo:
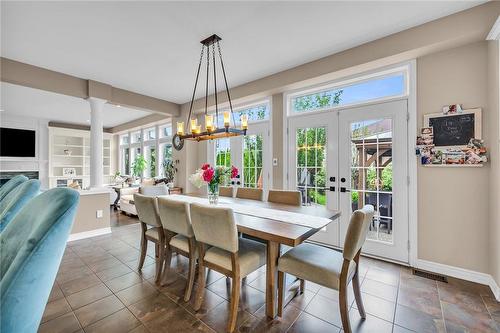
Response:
column 69, row 157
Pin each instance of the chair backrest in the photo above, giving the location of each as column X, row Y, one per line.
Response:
column 147, row 209
column 174, row 216
column 249, row 193
column 357, row 230
column 11, row 184
column 285, row 197
column 154, row 191
column 32, row 246
column 226, row 191
column 215, row 226
column 15, row 200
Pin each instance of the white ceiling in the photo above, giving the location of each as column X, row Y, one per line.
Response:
column 29, row 102
column 153, row 47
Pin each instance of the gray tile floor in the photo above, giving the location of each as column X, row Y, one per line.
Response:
column 98, row 289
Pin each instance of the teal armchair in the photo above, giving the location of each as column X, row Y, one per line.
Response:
column 11, row 184
column 31, row 249
column 16, row 199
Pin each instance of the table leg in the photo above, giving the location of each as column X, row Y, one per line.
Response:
column 271, row 277
column 117, row 199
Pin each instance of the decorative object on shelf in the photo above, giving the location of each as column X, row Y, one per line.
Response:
column 67, row 152
column 75, row 185
column 213, row 177
column 139, row 166
column 475, row 153
column 69, row 172
column 451, row 109
column 211, row 130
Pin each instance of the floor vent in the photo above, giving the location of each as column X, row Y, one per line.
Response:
column 429, row 275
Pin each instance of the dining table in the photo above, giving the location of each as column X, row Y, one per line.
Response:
column 275, row 224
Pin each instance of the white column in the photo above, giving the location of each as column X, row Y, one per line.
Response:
column 96, row 141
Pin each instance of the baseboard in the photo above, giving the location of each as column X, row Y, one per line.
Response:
column 88, row 234
column 460, row 273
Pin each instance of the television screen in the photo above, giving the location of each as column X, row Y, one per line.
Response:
column 17, row 142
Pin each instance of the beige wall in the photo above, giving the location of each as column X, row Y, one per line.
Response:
column 453, row 207
column 494, row 125
column 86, row 218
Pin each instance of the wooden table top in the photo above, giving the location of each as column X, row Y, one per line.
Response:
column 273, row 230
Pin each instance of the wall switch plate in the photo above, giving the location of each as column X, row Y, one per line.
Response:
column 275, row 161
column 99, row 213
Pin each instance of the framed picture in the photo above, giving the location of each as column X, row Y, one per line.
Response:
column 69, row 172
column 456, row 129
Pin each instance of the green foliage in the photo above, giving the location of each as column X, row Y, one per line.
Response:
column 318, row 100
column 139, row 165
column 354, row 197
column 152, row 163
column 169, row 170
column 385, row 178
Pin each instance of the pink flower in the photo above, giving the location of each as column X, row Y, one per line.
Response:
column 208, row 175
column 205, row 166
column 234, row 171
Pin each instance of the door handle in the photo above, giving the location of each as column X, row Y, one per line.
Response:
column 343, row 189
column 332, row 188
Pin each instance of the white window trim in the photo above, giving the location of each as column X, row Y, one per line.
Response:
column 142, row 144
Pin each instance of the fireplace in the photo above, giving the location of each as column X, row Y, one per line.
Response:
column 6, row 175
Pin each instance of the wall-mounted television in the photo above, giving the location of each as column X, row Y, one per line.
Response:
column 17, row 142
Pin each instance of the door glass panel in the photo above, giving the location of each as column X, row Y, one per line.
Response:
column 371, row 174
column 252, row 161
column 311, row 165
column 222, row 152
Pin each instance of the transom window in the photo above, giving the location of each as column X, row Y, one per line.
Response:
column 255, row 113
column 386, row 86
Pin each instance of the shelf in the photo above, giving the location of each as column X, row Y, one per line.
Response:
column 65, row 145
column 453, row 165
column 68, row 166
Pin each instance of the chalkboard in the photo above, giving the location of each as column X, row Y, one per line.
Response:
column 454, row 129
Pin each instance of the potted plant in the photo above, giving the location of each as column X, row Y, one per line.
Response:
column 169, row 171
column 213, row 177
column 139, row 166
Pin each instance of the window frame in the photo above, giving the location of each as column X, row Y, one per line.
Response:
column 346, row 82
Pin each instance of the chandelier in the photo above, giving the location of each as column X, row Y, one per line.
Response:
column 211, row 130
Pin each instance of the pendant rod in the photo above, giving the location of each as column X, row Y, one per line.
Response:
column 215, row 87
column 195, row 84
column 206, row 85
column 225, row 81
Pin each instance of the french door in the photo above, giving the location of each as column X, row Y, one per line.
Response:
column 250, row 154
column 365, row 162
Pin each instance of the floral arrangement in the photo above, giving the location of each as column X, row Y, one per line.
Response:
column 213, row 176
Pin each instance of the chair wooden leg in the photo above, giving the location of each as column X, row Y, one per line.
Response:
column 344, row 309
column 235, row 299
column 144, row 249
column 357, row 296
column 302, row 286
column 281, row 292
column 190, row 281
column 201, row 287
column 160, row 257
column 166, row 267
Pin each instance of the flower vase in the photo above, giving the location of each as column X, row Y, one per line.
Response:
column 213, row 194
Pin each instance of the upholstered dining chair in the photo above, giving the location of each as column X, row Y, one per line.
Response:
column 154, row 191
column 232, row 256
column 226, row 191
column 285, row 197
column 330, row 268
column 32, row 246
column 15, row 200
column 11, row 184
column 151, row 230
column 249, row 193
column 179, row 235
